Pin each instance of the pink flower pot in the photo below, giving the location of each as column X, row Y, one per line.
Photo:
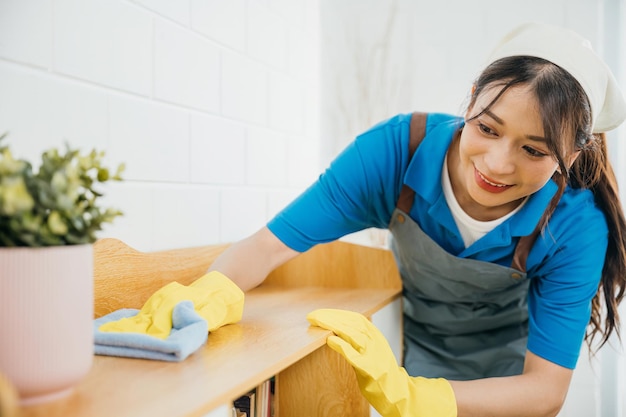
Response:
column 46, row 319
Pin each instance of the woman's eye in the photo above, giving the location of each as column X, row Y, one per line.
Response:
column 486, row 129
column 534, row 152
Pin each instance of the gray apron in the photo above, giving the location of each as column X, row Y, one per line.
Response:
column 463, row 319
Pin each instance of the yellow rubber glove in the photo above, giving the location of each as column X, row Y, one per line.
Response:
column 387, row 386
column 215, row 298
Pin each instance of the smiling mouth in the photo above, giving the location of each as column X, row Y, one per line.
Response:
column 488, row 185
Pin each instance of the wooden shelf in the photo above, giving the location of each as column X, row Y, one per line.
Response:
column 272, row 339
column 272, row 336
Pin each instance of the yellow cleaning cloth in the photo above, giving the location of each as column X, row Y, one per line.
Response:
column 215, row 298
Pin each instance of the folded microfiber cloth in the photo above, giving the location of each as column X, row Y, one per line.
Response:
column 189, row 333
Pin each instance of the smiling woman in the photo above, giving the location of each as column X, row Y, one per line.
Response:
column 500, row 223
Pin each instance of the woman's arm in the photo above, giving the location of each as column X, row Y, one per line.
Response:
column 248, row 262
column 539, row 391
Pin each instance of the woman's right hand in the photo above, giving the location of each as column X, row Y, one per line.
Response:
column 249, row 261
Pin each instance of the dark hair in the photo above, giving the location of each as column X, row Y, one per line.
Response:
column 566, row 113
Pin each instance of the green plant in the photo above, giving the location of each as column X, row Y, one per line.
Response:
column 58, row 204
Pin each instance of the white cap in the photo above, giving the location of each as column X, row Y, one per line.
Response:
column 574, row 54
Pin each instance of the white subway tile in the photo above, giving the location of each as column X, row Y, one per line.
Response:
column 302, row 54
column 242, row 212
column 26, row 31
column 303, row 161
column 151, row 138
column 41, row 111
column 218, row 153
column 291, row 10
column 244, row 89
column 223, row 21
column 279, row 199
column 186, row 68
column 185, row 216
column 136, row 225
column 267, row 40
column 179, row 10
column 162, row 216
column 312, row 119
column 266, row 158
column 107, row 42
column 286, row 109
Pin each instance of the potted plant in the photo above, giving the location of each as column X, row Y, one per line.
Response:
column 48, row 222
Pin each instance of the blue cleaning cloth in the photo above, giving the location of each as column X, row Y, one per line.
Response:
column 189, row 332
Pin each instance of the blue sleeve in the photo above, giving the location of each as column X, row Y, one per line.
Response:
column 562, row 287
column 359, row 190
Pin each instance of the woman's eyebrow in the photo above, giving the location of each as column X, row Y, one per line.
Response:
column 494, row 117
column 537, row 138
column 501, row 122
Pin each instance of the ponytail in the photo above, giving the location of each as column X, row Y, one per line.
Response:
column 593, row 170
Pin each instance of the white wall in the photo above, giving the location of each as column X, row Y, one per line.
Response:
column 211, row 104
column 381, row 57
column 613, row 358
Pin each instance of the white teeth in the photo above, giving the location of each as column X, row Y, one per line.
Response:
column 489, row 182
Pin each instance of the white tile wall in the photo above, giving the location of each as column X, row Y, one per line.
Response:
column 107, row 42
column 190, row 94
column 178, row 11
column 187, row 214
column 302, row 160
column 136, row 226
column 217, row 149
column 186, row 68
column 40, row 109
column 223, row 21
column 266, row 157
column 244, row 89
column 241, row 210
column 286, row 103
column 266, row 35
column 17, row 40
column 151, row 137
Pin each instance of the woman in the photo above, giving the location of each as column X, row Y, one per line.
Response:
column 507, row 230
column 504, row 328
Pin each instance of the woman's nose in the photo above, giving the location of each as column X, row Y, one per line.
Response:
column 500, row 157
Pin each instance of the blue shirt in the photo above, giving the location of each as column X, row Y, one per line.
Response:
column 360, row 190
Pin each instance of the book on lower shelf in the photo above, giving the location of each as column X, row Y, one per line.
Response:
column 259, row 402
column 245, row 406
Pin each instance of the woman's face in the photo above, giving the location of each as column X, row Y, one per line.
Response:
column 502, row 155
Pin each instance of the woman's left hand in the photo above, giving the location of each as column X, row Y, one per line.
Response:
column 387, row 386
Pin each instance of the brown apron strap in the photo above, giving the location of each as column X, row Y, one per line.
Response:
column 417, row 130
column 522, row 249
